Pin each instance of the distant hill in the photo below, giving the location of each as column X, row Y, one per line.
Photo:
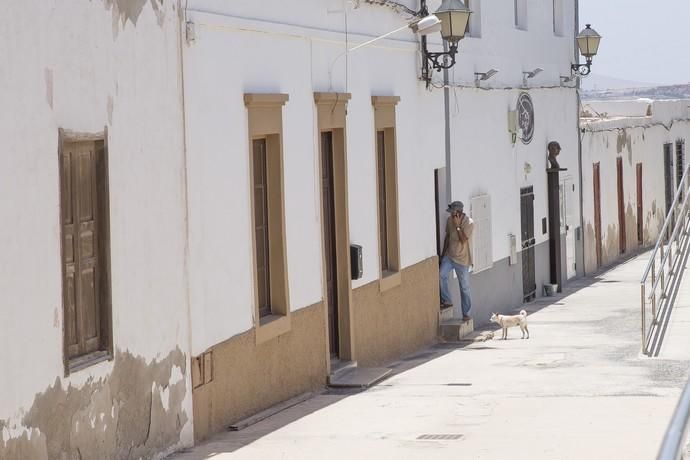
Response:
column 600, row 82
column 654, row 92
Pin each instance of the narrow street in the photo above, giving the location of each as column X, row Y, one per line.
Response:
column 577, row 389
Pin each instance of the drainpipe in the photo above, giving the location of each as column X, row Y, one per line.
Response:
column 579, row 138
column 446, row 105
column 182, row 42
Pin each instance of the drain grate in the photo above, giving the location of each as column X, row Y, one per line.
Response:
column 442, row 437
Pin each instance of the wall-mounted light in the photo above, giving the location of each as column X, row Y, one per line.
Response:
column 480, row 76
column 453, row 16
column 530, row 74
column 588, row 43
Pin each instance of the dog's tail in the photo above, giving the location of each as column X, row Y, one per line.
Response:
column 523, row 313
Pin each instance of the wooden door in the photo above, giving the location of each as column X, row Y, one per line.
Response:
column 329, row 238
column 79, row 202
column 621, row 205
column 640, row 216
column 596, row 178
column 529, row 286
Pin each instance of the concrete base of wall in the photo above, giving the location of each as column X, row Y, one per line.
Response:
column 497, row 289
column 390, row 324
column 248, row 378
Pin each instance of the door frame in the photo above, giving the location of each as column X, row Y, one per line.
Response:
column 640, row 204
column 331, row 110
column 568, row 182
column 622, row 240
column 596, row 182
column 528, row 245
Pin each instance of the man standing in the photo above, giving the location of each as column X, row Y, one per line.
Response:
column 457, row 256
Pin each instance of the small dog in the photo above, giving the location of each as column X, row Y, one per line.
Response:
column 506, row 321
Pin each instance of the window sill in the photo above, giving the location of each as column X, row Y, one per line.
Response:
column 82, row 362
column 272, row 326
column 389, row 280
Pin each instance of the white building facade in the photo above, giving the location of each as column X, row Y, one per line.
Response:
column 94, row 325
column 221, row 203
column 633, row 158
column 500, row 128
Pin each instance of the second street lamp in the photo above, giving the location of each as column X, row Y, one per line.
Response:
column 588, row 43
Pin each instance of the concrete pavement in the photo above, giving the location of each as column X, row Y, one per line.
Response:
column 578, row 389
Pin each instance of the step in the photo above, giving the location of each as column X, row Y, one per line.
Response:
column 339, row 366
column 271, row 411
column 358, row 377
column 454, row 330
column 446, row 314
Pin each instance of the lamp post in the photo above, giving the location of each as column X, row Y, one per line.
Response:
column 588, row 43
column 454, row 16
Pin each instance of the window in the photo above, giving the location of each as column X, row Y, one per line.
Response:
column 272, row 311
column 520, row 13
column 261, row 247
column 85, row 236
column 558, row 18
column 474, row 26
column 680, row 160
column 382, row 199
column 387, row 190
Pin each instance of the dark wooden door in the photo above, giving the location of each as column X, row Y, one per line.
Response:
column 668, row 175
column 529, row 286
column 621, row 205
column 596, row 178
column 80, row 248
column 640, row 216
column 329, row 238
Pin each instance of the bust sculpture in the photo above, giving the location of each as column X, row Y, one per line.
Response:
column 554, row 149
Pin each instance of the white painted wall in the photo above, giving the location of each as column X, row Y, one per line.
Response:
column 246, row 47
column 73, row 65
column 484, row 158
column 606, row 139
column 485, row 161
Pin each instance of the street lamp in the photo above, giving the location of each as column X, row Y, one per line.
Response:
column 454, row 16
column 588, row 42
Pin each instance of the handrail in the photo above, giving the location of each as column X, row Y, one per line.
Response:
column 664, row 257
column 678, row 218
column 666, row 222
column 674, row 440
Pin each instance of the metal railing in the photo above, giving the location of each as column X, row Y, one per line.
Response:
column 673, row 446
column 661, row 275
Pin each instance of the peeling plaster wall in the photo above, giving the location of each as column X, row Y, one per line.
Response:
column 82, row 66
column 635, row 140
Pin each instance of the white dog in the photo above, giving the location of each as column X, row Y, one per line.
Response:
column 506, row 321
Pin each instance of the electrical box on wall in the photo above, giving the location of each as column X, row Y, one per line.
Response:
column 512, row 125
column 512, row 242
column 356, row 263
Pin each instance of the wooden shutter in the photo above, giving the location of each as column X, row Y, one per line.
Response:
column 69, row 258
column 382, row 198
column 263, row 272
column 83, row 210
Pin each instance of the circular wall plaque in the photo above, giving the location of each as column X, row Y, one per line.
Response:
column 525, row 113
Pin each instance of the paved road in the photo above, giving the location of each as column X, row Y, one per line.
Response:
column 578, row 389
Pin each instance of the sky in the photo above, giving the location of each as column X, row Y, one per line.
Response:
column 642, row 40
